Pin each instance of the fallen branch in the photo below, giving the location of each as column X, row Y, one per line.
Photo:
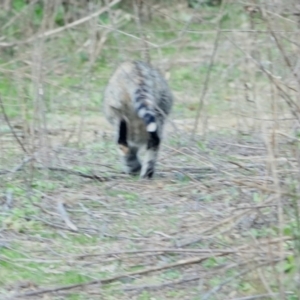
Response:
column 64, row 215
column 164, row 250
column 162, row 285
column 262, row 188
column 179, row 263
column 114, row 278
column 78, row 173
column 69, row 171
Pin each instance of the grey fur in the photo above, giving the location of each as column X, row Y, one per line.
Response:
column 136, row 102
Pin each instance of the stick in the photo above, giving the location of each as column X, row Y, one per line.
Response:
column 10, row 127
column 64, row 215
column 114, row 278
column 219, row 287
column 163, row 285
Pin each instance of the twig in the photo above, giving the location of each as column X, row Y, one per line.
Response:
column 11, row 127
column 48, row 223
column 199, row 237
column 114, row 278
column 60, row 29
column 14, row 18
column 261, row 296
column 163, row 285
column 9, row 199
column 262, row 188
column 207, row 78
column 18, row 167
column 128, row 34
column 164, row 250
column 279, row 46
column 239, row 165
column 69, row 171
column 217, row 288
column 260, row 273
column 78, row 173
column 179, row 263
column 292, row 104
column 61, row 210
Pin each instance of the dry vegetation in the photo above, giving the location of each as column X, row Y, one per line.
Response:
column 221, row 218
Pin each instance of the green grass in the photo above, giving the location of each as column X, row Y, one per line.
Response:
column 125, row 213
column 35, row 272
column 75, row 63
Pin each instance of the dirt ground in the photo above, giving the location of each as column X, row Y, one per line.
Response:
column 204, row 225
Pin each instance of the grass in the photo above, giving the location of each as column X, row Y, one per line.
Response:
column 111, row 217
column 216, row 187
column 61, row 52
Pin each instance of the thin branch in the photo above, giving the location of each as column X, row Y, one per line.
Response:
column 179, row 263
column 64, row 215
column 163, row 285
column 11, row 127
column 292, row 104
column 63, row 28
column 261, row 296
column 207, row 78
column 279, row 46
column 220, row 286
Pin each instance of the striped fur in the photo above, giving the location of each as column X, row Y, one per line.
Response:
column 136, row 102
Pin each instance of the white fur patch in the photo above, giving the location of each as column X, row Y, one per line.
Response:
column 151, row 127
column 142, row 112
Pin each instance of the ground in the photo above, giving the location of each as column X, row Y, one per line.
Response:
column 219, row 219
column 193, row 230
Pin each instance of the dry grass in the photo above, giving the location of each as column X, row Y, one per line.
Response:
column 219, row 221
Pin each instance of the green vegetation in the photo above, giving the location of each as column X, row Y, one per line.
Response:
column 222, row 214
